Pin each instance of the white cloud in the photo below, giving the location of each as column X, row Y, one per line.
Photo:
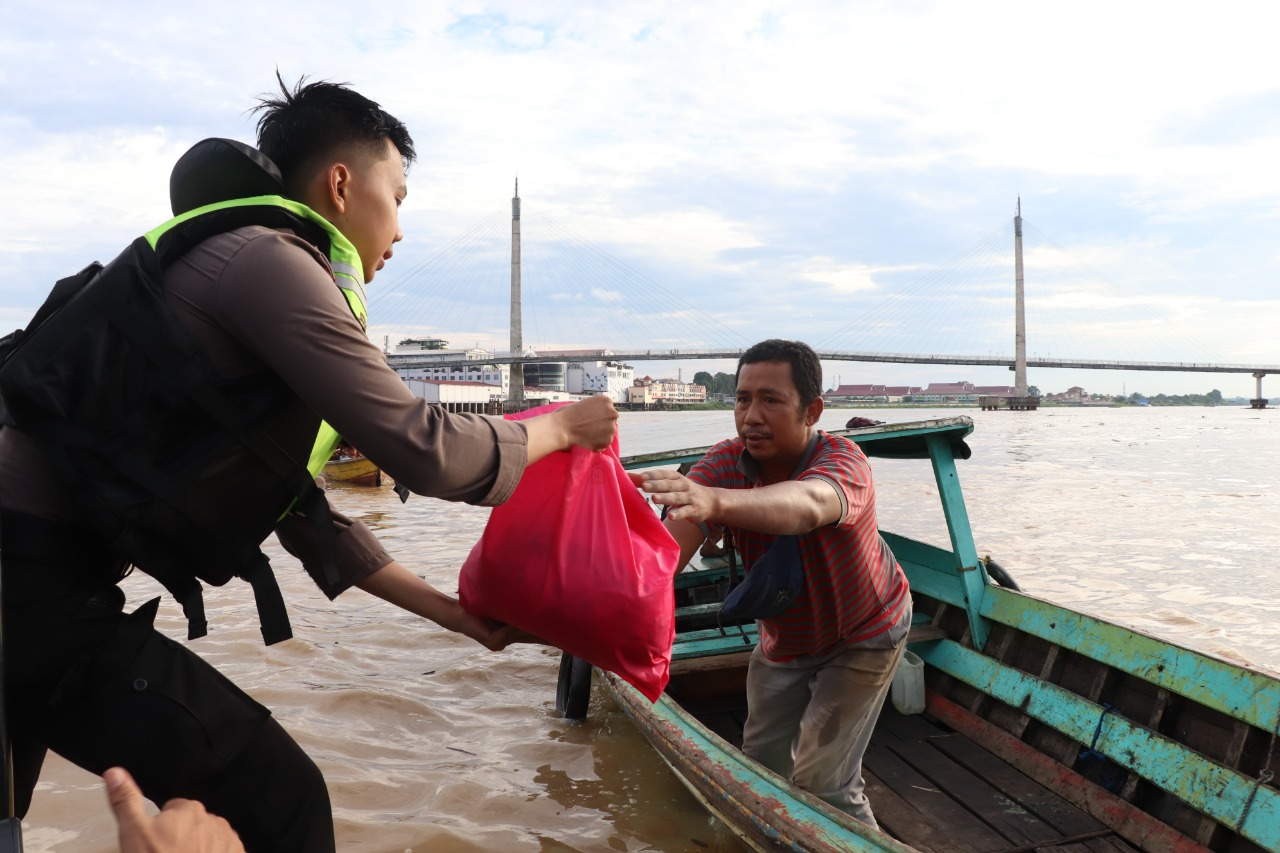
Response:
column 694, row 236
column 831, row 143
column 840, row 279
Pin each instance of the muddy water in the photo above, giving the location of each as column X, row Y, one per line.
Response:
column 1162, row 519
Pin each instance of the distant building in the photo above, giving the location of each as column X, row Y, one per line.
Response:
column 600, row 377
column 419, row 350
column 412, row 359
column 1073, row 396
column 551, row 375
column 935, row 392
column 960, row 392
column 454, row 396
column 663, row 392
column 423, row 344
column 534, row 396
column 947, row 392
column 870, row 393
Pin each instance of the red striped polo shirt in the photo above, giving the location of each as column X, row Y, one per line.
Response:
column 854, row 588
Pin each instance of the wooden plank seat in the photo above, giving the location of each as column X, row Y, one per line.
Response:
column 940, row 792
column 931, row 787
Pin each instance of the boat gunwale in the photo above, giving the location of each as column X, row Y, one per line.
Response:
column 1211, row 787
column 676, row 726
column 1230, row 688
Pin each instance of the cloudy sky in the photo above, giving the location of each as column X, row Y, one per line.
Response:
column 709, row 174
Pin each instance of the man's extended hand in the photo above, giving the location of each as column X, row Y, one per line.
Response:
column 183, row 826
column 591, row 423
column 510, row 634
column 687, row 500
column 494, row 636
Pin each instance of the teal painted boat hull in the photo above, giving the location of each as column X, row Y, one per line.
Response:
column 761, row 808
column 1186, row 743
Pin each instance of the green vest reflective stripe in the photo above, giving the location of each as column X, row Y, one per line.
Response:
column 343, row 257
column 348, row 273
column 106, row 382
column 326, row 442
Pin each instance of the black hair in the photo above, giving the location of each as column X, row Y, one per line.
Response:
column 806, row 369
column 301, row 126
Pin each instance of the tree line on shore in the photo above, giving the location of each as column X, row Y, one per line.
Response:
column 1213, row 398
column 721, row 383
column 1137, row 398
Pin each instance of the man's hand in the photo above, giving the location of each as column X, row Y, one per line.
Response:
column 687, row 500
column 590, row 423
column 494, row 636
column 510, row 634
column 486, row 633
column 183, row 826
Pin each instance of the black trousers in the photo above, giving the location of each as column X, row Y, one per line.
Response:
column 103, row 688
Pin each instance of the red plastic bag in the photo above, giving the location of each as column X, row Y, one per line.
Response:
column 577, row 557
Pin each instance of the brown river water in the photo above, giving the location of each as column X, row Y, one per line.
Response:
column 1163, row 519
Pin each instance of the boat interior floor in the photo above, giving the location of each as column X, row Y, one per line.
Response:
column 939, row 792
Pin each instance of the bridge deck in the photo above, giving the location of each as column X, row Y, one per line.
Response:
column 877, row 357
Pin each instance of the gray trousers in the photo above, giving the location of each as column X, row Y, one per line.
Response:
column 809, row 720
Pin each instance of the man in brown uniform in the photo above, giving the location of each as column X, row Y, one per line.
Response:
column 103, row 688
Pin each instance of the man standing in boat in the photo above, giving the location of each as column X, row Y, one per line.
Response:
column 264, row 323
column 820, row 673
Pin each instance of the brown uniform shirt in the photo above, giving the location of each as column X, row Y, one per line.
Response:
column 256, row 298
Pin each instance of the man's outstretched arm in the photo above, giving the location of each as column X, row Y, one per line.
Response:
column 397, row 585
column 793, row 507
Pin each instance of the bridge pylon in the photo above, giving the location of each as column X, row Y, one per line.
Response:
column 1021, row 401
column 1258, row 402
column 515, row 399
column 1020, row 313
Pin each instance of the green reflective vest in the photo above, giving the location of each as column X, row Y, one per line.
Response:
column 348, row 273
column 134, row 422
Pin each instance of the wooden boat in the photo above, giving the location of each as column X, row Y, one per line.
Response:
column 1044, row 728
column 357, row 470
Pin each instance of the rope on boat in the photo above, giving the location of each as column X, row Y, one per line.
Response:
column 1092, row 752
column 1095, row 765
column 1264, row 778
column 731, row 552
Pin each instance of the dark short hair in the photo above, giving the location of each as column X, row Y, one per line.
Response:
column 806, row 369
column 299, row 128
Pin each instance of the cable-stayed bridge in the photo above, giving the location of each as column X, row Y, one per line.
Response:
column 547, row 356
column 574, row 302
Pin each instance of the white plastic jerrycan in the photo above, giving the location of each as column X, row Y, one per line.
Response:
column 907, row 690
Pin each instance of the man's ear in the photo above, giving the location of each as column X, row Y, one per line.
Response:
column 813, row 411
column 337, row 185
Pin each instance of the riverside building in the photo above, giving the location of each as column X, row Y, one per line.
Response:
column 582, row 373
